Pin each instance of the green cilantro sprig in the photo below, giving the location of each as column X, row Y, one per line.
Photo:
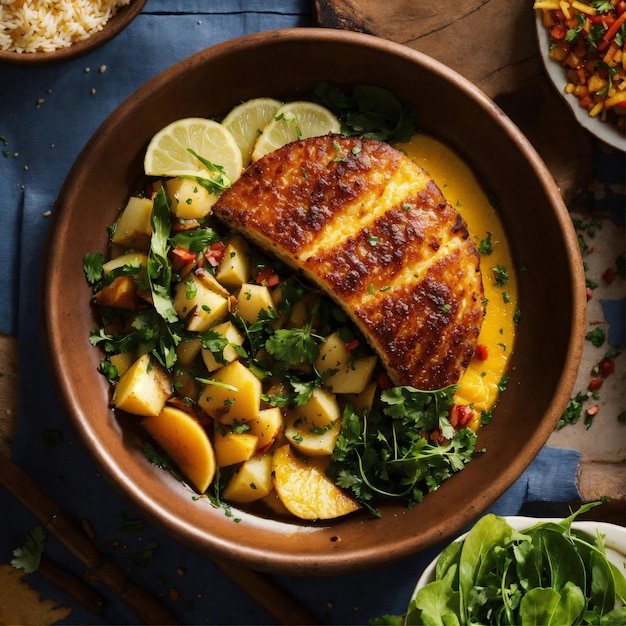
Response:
column 29, row 555
column 384, row 453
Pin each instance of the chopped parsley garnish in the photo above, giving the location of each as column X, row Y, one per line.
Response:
column 385, row 453
column 29, row 555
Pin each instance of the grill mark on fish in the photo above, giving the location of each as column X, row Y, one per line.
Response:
column 371, row 228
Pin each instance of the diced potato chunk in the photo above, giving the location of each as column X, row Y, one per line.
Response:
column 363, row 401
column 252, row 299
column 189, row 200
column 321, row 409
column 122, row 362
column 187, row 351
column 267, row 426
column 186, row 442
column 120, row 294
column 134, row 228
column 305, row 489
column 300, row 313
column 200, row 306
column 143, row 389
column 348, row 375
column 211, row 282
column 234, row 396
column 309, row 439
column 133, row 259
column 230, row 332
column 252, row 481
column 185, row 383
column 231, row 448
column 234, row 268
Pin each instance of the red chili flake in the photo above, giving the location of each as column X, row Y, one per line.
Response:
column 593, row 410
column 383, row 381
column 460, row 415
column 595, row 384
column 352, row 345
column 232, row 303
column 606, row 367
column 608, row 275
column 268, row 277
column 482, row 352
column 215, row 253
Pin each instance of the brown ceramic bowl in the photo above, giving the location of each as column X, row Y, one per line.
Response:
column 286, row 65
column 113, row 27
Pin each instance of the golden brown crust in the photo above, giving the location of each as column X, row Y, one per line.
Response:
column 371, row 228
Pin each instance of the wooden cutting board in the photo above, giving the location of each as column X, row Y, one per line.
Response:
column 493, row 44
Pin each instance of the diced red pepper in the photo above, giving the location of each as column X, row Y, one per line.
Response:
column 181, row 257
column 606, row 367
column 608, row 275
column 558, row 31
column 461, row 415
column 215, row 253
column 482, row 352
column 383, row 381
column 595, row 384
column 615, row 26
column 593, row 410
column 352, row 345
column 268, row 277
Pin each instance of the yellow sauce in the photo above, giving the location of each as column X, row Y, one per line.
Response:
column 479, row 385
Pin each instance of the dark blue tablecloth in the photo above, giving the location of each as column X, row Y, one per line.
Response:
column 46, row 116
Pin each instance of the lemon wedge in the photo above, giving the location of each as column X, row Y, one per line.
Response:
column 293, row 121
column 168, row 153
column 247, row 120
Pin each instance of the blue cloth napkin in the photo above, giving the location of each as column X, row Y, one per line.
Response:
column 46, row 116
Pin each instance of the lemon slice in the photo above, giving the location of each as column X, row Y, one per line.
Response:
column 247, row 120
column 293, row 121
column 168, row 151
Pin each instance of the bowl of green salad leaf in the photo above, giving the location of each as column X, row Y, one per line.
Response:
column 524, row 570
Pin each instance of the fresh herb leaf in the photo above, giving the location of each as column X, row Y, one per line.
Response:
column 159, row 268
column 92, row 265
column 29, row 555
column 369, row 111
column 384, row 453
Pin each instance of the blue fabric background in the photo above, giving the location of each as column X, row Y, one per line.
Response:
column 46, row 116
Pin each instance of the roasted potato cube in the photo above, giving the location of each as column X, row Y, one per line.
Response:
column 134, row 228
column 252, row 299
column 234, row 395
column 234, row 268
column 252, row 481
column 230, row 332
column 199, row 305
column 188, row 199
column 143, row 389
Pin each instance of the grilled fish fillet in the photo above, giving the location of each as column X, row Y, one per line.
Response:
column 370, row 227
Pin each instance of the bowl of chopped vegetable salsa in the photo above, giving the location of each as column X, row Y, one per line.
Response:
column 518, row 570
column 581, row 45
column 324, row 316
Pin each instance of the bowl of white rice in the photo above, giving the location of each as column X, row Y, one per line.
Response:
column 41, row 32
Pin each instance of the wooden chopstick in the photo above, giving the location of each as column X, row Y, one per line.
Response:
column 71, row 584
column 28, row 493
column 269, row 596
